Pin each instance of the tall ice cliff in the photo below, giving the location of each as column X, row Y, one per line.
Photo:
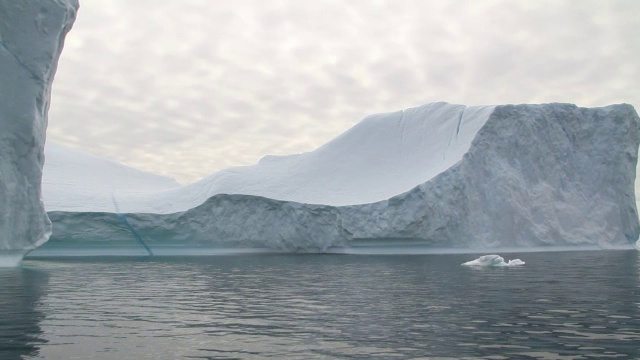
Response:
column 31, row 38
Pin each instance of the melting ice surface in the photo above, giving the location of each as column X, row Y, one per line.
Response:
column 493, row 261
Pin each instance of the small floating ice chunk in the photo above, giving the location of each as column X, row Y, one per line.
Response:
column 493, row 261
column 515, row 262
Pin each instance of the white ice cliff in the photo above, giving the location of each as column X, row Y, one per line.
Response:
column 31, row 39
column 440, row 175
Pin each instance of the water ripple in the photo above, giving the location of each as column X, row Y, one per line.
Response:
column 558, row 306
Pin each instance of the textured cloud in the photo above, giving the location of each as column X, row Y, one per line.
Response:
column 186, row 88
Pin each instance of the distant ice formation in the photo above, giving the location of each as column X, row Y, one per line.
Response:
column 31, row 37
column 440, row 175
column 493, row 261
column 76, row 182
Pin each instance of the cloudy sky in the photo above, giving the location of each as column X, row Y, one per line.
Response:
column 185, row 88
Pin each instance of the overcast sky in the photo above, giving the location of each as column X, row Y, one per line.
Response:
column 185, row 88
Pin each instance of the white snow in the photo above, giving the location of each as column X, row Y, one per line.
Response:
column 31, row 37
column 382, row 156
column 493, row 261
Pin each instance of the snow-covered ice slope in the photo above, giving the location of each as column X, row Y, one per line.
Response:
column 382, row 156
column 447, row 176
column 31, row 37
column 77, row 181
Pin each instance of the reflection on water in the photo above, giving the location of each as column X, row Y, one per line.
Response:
column 20, row 292
column 559, row 305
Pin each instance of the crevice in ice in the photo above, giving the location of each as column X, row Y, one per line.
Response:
column 135, row 234
column 22, row 64
column 402, row 131
column 458, row 125
column 570, row 139
column 127, row 224
column 460, row 122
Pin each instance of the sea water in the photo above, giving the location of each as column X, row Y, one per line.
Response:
column 560, row 305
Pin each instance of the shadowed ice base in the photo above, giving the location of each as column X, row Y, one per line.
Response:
column 11, row 258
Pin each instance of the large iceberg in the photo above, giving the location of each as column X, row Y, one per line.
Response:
column 31, row 38
column 439, row 176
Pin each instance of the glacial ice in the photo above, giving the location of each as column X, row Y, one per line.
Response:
column 31, row 39
column 493, row 261
column 440, row 175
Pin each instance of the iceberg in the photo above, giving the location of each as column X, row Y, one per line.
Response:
column 493, row 261
column 439, row 175
column 31, row 39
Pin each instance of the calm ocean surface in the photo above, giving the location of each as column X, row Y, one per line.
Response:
column 562, row 305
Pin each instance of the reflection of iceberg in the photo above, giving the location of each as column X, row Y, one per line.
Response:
column 437, row 176
column 20, row 331
column 31, row 37
column 493, row 261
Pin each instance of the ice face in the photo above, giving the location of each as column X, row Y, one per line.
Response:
column 493, row 261
column 31, row 38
